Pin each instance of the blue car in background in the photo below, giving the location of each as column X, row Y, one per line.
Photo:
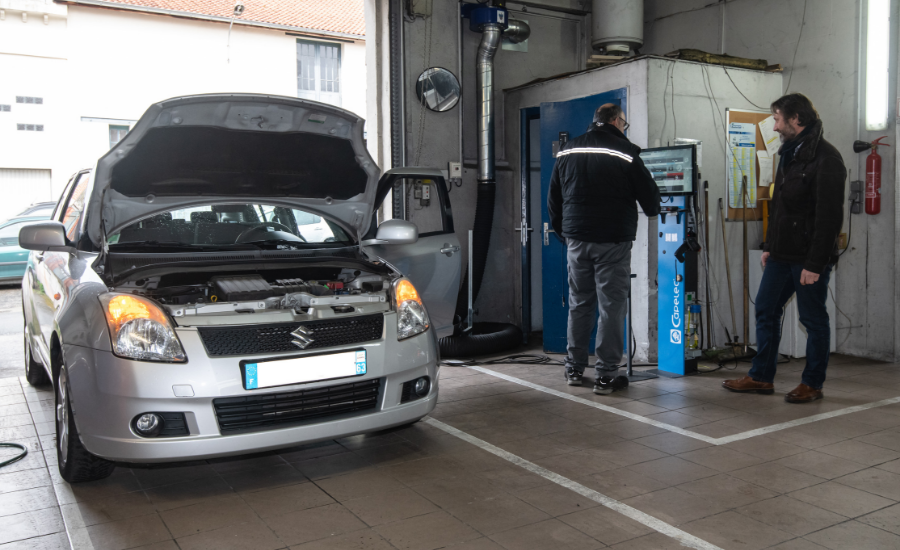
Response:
column 13, row 258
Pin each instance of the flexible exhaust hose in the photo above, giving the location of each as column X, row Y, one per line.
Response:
column 485, row 338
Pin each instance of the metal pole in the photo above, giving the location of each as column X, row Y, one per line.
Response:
column 746, row 262
column 471, row 310
column 728, row 271
column 709, row 341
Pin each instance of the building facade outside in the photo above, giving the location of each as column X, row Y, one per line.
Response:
column 78, row 74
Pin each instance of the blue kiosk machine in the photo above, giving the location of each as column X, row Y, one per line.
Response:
column 675, row 171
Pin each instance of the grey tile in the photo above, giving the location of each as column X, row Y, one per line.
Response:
column 24, row 479
column 359, row 484
column 625, row 453
column 673, row 470
column 791, row 515
column 329, row 466
column 551, row 533
column 765, row 447
column 168, row 497
column 263, row 478
column 56, row 541
column 727, row 491
column 207, row 515
column 120, row 482
column 850, row 534
column 237, row 536
column 168, row 474
column 675, row 506
column 821, row 464
column 874, row 480
column 678, row 419
column 232, row 464
column 128, row 533
column 776, row 477
column 428, row 532
column 313, row 524
column 629, row 429
column 797, row 544
column 886, row 518
column 30, row 524
column 311, row 451
column 27, row 501
column 857, row 451
column 842, row 499
column 496, row 514
column 423, row 470
column 672, row 443
column 388, row 507
column 365, row 539
column 93, row 512
column 672, row 401
column 555, row 500
column 710, row 412
column 721, row 458
column 622, row 483
column 605, row 525
column 283, row 500
column 512, row 479
column 654, row 541
column 733, row 530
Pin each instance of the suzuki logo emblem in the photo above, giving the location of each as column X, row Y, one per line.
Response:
column 302, row 337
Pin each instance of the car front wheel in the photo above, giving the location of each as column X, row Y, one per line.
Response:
column 75, row 462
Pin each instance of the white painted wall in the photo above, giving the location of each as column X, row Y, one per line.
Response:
column 110, row 64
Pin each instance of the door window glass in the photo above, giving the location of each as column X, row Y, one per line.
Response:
column 319, row 71
column 9, row 235
column 75, row 207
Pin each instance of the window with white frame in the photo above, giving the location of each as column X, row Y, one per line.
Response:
column 116, row 133
column 319, row 71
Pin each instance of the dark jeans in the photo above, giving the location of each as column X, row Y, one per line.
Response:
column 779, row 282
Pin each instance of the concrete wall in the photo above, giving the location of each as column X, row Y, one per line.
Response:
column 110, row 65
column 827, row 68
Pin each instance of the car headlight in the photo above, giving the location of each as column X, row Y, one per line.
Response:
column 139, row 329
column 412, row 318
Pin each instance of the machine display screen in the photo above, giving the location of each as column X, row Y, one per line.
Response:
column 673, row 168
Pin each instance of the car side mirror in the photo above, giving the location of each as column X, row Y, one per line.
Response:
column 44, row 236
column 395, row 232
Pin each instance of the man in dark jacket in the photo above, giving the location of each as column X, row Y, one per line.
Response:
column 800, row 249
column 596, row 181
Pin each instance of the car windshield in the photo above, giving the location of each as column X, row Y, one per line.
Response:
column 240, row 223
column 9, row 234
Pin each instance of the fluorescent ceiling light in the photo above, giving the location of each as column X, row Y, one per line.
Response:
column 878, row 43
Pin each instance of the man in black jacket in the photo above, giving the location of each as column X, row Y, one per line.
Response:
column 800, row 249
column 596, row 181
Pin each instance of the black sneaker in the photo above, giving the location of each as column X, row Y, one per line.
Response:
column 573, row 377
column 605, row 385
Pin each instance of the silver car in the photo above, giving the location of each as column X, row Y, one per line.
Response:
column 180, row 313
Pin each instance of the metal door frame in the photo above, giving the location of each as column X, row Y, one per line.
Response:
column 525, row 228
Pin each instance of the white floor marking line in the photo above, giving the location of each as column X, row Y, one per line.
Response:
column 675, row 429
column 602, row 407
column 657, row 525
column 807, row 420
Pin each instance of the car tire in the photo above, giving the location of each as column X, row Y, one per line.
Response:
column 34, row 371
column 76, row 464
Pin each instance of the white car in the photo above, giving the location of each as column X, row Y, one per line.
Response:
column 183, row 309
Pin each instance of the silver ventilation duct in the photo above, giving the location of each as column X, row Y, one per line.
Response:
column 617, row 26
column 517, row 31
column 484, row 78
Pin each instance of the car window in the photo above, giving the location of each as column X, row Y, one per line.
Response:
column 74, row 209
column 46, row 211
column 57, row 210
column 9, row 235
column 223, row 224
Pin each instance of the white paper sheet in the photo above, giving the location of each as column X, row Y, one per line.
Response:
column 771, row 138
column 741, row 162
column 765, row 168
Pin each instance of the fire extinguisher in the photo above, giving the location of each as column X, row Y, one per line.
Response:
column 873, row 173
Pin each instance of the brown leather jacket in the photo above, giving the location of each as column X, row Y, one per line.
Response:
column 808, row 206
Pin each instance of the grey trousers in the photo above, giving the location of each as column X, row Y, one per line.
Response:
column 599, row 275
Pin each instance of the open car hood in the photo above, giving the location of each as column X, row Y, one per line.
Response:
column 217, row 148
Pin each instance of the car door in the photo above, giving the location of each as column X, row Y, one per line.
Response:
column 13, row 258
column 434, row 262
column 53, row 280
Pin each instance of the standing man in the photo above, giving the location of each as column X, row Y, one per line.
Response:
column 596, row 180
column 800, row 248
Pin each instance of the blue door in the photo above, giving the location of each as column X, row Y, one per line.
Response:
column 574, row 117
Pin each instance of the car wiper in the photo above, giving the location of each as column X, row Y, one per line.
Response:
column 172, row 244
column 276, row 242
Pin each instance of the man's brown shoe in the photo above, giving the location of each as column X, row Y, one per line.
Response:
column 803, row 394
column 747, row 384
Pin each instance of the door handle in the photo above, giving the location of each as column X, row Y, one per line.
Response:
column 449, row 250
column 525, row 230
column 547, row 232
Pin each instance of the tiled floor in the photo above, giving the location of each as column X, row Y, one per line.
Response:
column 834, row 483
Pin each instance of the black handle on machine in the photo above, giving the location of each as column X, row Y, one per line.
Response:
column 690, row 243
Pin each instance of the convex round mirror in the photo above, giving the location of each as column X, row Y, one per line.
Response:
column 438, row 89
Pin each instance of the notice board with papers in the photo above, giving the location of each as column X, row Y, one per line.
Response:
column 746, row 154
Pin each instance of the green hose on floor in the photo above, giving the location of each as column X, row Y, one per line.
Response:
column 16, row 458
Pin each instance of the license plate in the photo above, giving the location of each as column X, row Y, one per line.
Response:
column 300, row 370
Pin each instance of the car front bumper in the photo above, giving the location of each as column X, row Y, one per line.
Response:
column 108, row 392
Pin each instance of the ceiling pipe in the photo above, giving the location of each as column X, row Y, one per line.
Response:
column 617, row 26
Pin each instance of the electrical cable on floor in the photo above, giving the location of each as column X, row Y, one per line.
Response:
column 16, row 458
column 519, row 359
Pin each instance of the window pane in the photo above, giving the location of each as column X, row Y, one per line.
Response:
column 116, row 133
column 75, row 207
column 306, row 67
column 330, row 59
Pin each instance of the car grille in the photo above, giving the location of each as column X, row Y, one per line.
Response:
column 275, row 410
column 257, row 339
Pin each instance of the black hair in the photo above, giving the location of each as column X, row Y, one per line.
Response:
column 796, row 105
